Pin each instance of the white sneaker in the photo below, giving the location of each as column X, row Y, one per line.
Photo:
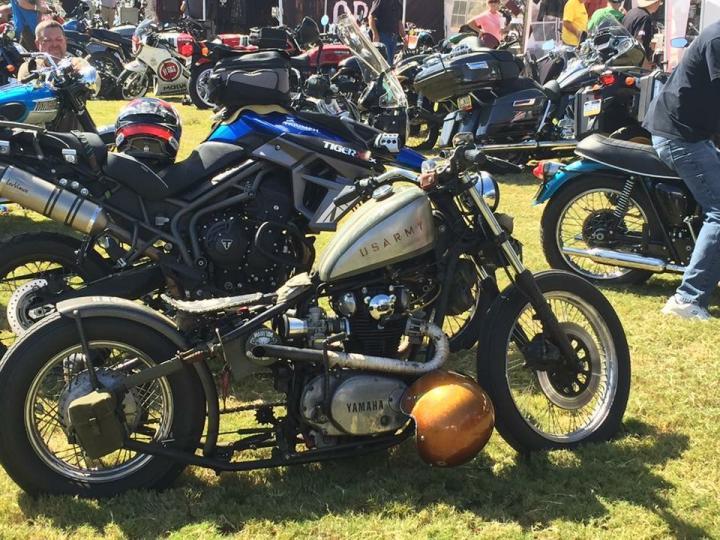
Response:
column 685, row 310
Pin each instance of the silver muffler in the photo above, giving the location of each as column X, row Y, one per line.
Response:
column 364, row 361
column 624, row 260
column 530, row 145
column 61, row 205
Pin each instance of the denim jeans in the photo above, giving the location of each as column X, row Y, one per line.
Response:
column 698, row 164
column 390, row 42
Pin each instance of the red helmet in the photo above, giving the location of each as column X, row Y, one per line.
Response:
column 148, row 128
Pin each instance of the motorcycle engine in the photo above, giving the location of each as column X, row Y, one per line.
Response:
column 246, row 246
column 360, row 404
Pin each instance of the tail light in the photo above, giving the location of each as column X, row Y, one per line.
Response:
column 608, row 78
column 545, row 170
column 185, row 45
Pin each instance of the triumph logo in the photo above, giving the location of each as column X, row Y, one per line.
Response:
column 397, row 238
column 365, row 406
column 340, row 149
column 226, row 243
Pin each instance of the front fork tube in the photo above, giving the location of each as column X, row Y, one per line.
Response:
column 525, row 281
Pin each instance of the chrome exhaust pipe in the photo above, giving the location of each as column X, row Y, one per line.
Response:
column 530, row 145
column 625, row 260
column 43, row 197
column 364, row 361
column 61, row 205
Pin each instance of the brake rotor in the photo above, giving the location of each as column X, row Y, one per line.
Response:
column 23, row 300
column 573, row 387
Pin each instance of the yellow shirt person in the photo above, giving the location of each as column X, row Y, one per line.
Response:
column 575, row 21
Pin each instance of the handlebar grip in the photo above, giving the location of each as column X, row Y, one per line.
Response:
column 475, row 157
column 30, row 78
column 346, row 197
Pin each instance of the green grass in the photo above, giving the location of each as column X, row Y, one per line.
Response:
column 658, row 480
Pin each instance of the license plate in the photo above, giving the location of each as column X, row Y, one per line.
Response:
column 465, row 103
column 592, row 108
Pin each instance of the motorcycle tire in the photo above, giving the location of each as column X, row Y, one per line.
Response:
column 41, row 460
column 134, row 85
column 32, row 252
column 423, row 135
column 198, row 76
column 538, row 409
column 109, row 69
column 557, row 210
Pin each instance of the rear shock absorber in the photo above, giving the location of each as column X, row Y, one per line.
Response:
column 623, row 202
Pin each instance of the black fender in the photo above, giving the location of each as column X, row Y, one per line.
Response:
column 111, row 307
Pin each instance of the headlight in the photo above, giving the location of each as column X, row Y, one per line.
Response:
column 88, row 76
column 488, row 189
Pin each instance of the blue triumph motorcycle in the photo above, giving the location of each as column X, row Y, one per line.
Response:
column 53, row 98
column 237, row 215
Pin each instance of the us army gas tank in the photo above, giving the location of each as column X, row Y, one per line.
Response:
column 381, row 232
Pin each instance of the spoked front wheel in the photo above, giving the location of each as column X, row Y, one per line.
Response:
column 542, row 402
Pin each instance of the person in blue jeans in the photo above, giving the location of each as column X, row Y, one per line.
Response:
column 387, row 25
column 683, row 119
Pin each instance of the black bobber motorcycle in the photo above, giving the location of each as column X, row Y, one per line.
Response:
column 105, row 395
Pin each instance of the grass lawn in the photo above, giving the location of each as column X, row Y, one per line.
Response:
column 659, row 479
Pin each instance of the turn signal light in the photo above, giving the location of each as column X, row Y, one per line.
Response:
column 630, row 81
column 204, row 51
column 608, row 78
column 545, row 170
column 10, row 68
column 538, row 171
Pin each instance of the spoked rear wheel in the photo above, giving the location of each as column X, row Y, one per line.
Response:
column 583, row 216
column 45, row 372
column 29, row 265
column 542, row 404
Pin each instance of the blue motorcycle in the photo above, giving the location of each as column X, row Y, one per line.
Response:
column 237, row 215
column 53, row 97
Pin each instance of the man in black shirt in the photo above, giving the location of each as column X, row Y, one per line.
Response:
column 387, row 25
column 638, row 22
column 683, row 119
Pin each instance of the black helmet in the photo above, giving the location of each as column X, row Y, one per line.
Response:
column 149, row 129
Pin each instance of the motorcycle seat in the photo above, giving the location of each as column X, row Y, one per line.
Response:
column 627, row 156
column 552, row 90
column 84, row 144
column 301, row 61
column 110, row 37
column 205, row 161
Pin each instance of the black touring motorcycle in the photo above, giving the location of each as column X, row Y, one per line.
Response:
column 105, row 395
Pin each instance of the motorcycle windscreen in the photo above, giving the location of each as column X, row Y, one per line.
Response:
column 372, row 63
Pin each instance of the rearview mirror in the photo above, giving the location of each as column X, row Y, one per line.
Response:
column 679, row 42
